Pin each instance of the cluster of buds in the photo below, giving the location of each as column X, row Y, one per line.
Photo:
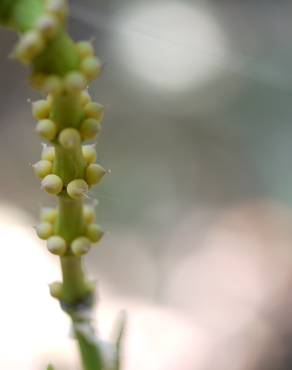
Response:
column 69, row 138
column 57, row 245
column 74, row 81
column 76, row 189
column 46, row 27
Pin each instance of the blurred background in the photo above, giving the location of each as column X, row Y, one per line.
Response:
column 197, row 207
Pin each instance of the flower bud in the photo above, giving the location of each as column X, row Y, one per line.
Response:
column 58, row 8
column 91, row 67
column 52, row 85
column 49, row 215
column 88, row 214
column 94, row 174
column 48, row 153
column 56, row 245
column 47, row 129
column 89, row 153
column 80, row 246
column 40, row 109
column 74, row 82
column 30, row 44
column 85, row 49
column 94, row 110
column 56, row 289
column 52, row 184
column 42, row 168
column 89, row 129
column 48, row 25
column 94, row 233
column 44, row 230
column 69, row 138
column 85, row 97
column 76, row 189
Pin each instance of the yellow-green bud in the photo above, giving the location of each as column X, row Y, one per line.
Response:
column 56, row 289
column 94, row 233
column 58, row 8
column 69, row 138
column 94, row 174
column 52, row 184
column 80, row 246
column 44, row 230
column 49, row 215
column 48, row 25
column 52, row 85
column 74, row 82
column 84, row 49
column 42, row 168
column 48, row 153
column 30, row 44
column 47, row 129
column 88, row 214
column 91, row 67
column 94, row 110
column 89, row 153
column 76, row 189
column 56, row 245
column 89, row 129
column 85, row 97
column 41, row 109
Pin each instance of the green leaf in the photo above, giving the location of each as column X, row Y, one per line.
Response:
column 50, row 367
column 90, row 353
column 119, row 337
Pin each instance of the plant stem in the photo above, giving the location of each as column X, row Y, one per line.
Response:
column 58, row 58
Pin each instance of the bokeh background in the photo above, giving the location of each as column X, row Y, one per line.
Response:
column 197, row 207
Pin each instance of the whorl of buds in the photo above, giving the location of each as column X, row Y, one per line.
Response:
column 76, row 189
column 47, row 129
column 94, row 174
column 52, row 184
column 94, row 233
column 69, row 138
column 56, row 245
column 80, row 246
column 43, row 168
column 44, row 230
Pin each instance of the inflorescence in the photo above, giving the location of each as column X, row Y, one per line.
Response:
column 70, row 139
